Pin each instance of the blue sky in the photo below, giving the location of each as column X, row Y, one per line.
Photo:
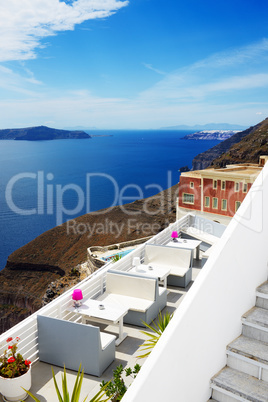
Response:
column 133, row 64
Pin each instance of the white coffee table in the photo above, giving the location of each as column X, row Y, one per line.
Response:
column 153, row 271
column 187, row 244
column 105, row 313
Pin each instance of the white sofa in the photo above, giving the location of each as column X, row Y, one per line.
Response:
column 66, row 343
column 141, row 295
column 178, row 260
column 200, row 235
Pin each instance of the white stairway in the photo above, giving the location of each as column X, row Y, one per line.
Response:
column 245, row 377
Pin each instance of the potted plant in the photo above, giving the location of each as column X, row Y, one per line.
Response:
column 15, row 372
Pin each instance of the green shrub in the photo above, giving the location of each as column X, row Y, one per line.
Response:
column 116, row 388
column 158, row 329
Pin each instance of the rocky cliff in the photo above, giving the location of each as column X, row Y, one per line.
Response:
column 52, row 257
column 205, row 159
column 248, row 149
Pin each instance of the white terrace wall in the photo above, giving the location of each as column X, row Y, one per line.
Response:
column 192, row 348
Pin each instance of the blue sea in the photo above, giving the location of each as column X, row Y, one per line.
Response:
column 46, row 183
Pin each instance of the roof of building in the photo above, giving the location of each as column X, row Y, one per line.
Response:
column 245, row 171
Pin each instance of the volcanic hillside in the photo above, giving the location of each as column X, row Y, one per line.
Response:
column 248, row 149
column 255, row 136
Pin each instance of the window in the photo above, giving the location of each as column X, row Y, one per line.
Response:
column 191, row 184
column 215, row 184
column 245, row 188
column 207, row 202
column 223, row 184
column 188, row 198
column 214, row 202
column 237, row 205
column 236, row 186
column 224, row 205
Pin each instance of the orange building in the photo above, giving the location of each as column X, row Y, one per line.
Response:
column 218, row 191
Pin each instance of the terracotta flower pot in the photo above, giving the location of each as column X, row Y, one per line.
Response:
column 11, row 388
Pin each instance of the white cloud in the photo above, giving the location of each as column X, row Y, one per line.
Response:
column 24, row 23
column 233, row 83
column 16, row 83
column 219, row 73
column 208, row 90
column 150, row 67
column 235, row 57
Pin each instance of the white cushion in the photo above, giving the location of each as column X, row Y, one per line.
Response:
column 199, row 234
column 106, row 339
column 167, row 256
column 174, row 269
column 131, row 303
column 136, row 287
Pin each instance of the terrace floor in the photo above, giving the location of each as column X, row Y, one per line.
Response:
column 126, row 354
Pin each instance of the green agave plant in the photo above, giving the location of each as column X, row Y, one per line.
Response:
column 157, row 329
column 76, row 390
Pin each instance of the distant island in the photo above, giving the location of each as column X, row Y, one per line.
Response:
column 219, row 135
column 209, row 126
column 41, row 133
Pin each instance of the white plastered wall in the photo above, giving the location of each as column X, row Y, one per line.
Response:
column 192, row 348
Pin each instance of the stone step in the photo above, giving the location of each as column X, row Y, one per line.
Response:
column 263, row 288
column 262, row 296
column 255, row 324
column 232, row 385
column 249, row 356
